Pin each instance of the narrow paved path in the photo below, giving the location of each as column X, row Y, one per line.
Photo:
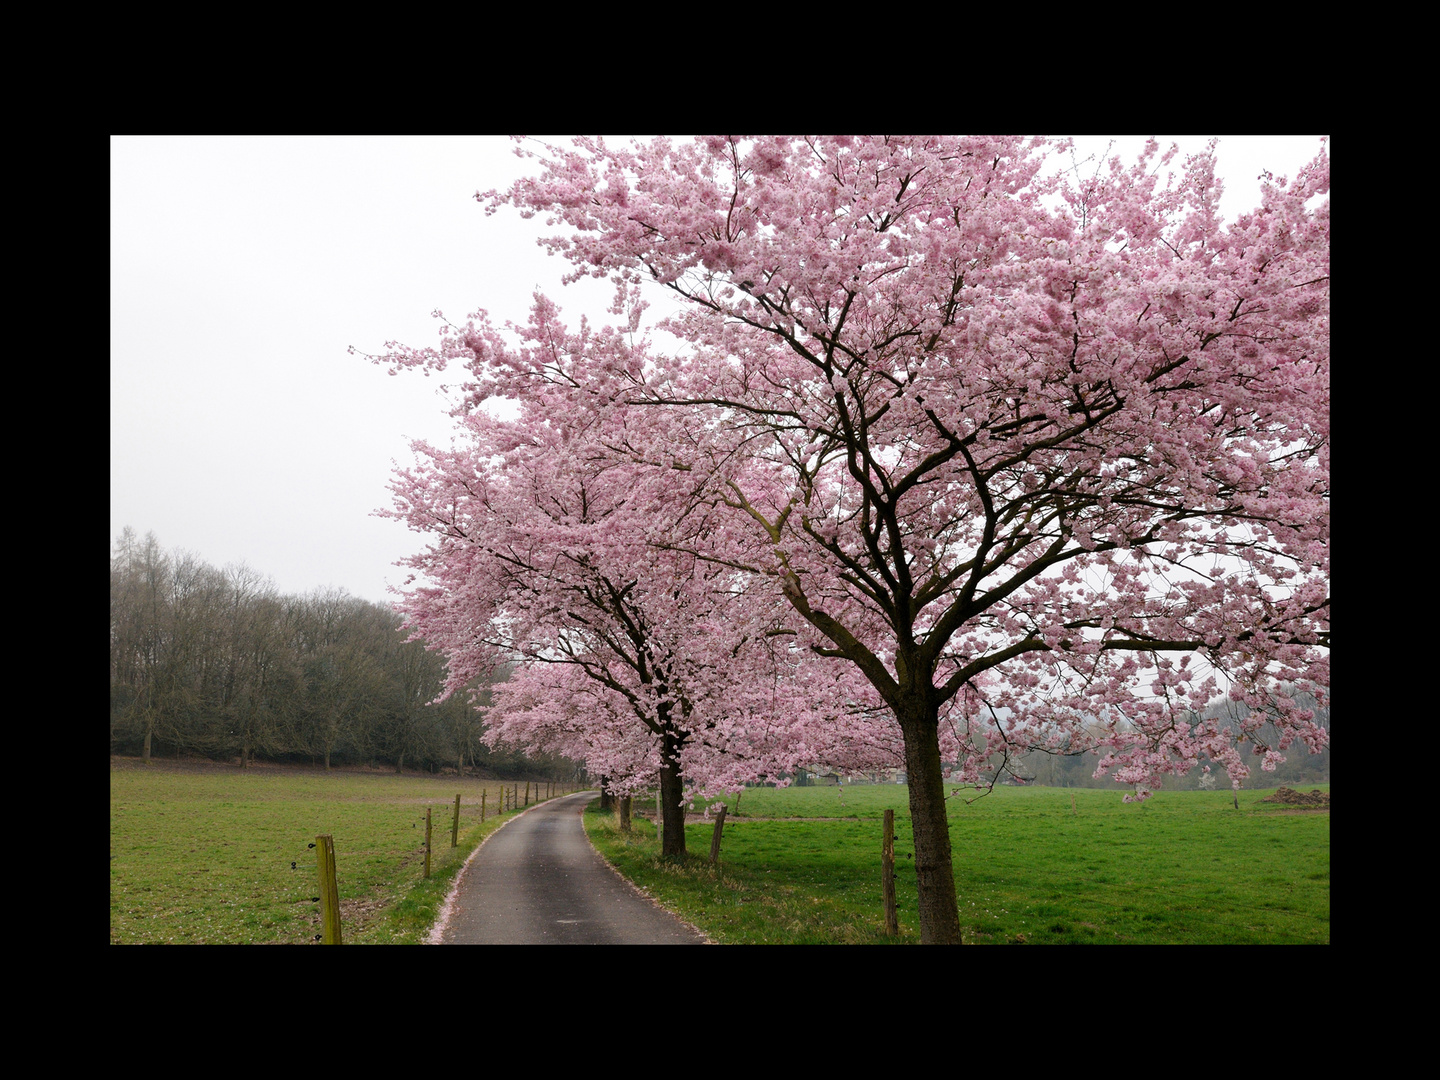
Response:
column 539, row 882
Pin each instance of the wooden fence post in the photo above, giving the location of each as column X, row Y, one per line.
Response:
column 527, row 792
column 482, row 806
column 329, row 891
column 455, row 825
column 427, row 841
column 887, row 875
column 715, row 840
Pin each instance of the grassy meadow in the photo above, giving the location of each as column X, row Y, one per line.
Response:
column 205, row 854
column 802, row 866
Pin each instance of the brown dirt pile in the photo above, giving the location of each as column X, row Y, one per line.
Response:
column 1315, row 799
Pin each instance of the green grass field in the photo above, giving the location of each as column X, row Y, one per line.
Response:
column 1181, row 868
column 205, row 854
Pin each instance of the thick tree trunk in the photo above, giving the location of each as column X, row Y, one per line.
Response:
column 934, row 873
column 400, row 763
column 327, row 759
column 145, row 753
column 671, row 790
column 624, row 813
column 607, row 801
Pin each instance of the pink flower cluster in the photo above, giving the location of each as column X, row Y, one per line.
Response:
column 1020, row 459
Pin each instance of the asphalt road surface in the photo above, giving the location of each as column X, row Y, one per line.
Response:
column 539, row 882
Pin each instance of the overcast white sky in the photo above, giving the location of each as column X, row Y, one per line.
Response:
column 241, row 269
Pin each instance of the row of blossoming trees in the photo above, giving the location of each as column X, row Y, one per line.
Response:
column 216, row 662
column 958, row 457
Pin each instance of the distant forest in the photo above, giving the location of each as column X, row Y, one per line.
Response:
column 217, row 663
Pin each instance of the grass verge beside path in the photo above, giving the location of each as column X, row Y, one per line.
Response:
column 204, row 855
column 1181, row 868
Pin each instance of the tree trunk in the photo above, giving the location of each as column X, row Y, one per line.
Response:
column 327, row 759
column 672, row 788
column 624, row 813
column 934, row 873
column 145, row 753
column 607, row 801
column 400, row 763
